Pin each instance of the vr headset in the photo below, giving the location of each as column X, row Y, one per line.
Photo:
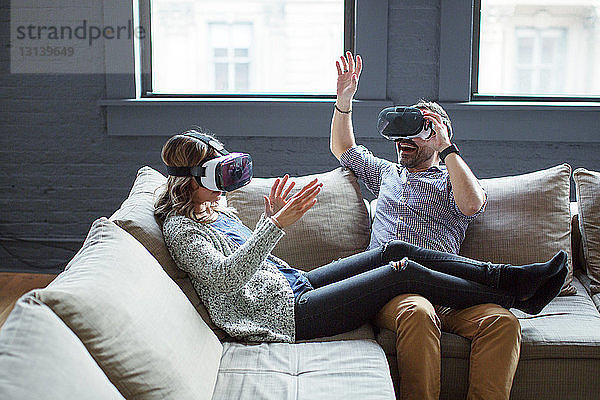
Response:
column 396, row 123
column 225, row 173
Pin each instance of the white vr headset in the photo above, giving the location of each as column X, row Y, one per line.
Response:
column 226, row 173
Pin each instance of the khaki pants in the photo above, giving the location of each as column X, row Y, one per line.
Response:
column 495, row 336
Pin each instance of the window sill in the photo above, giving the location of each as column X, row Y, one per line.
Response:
column 233, row 101
column 525, row 121
column 261, row 117
column 525, row 105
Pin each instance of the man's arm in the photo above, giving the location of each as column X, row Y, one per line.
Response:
column 342, row 133
column 468, row 193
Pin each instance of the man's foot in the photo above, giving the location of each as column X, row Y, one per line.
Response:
column 548, row 291
column 524, row 281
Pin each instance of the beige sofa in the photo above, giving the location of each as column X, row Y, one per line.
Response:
column 123, row 322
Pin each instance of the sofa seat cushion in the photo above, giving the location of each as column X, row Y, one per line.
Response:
column 139, row 327
column 353, row 369
column 569, row 327
column 41, row 358
column 362, row 332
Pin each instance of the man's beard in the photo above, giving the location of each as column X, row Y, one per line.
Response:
column 414, row 159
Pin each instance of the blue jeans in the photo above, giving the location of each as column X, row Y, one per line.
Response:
column 349, row 292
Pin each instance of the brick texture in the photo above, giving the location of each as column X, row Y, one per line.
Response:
column 59, row 170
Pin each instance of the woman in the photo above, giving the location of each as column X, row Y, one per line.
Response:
column 255, row 296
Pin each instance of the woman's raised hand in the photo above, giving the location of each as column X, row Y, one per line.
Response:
column 348, row 73
column 278, row 196
column 290, row 209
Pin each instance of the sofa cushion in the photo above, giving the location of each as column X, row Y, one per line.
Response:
column 136, row 216
column 560, row 352
column 41, row 358
column 337, row 226
column 355, row 369
column 576, row 241
column 527, row 220
column 143, row 332
column 587, row 187
column 568, row 327
column 587, row 283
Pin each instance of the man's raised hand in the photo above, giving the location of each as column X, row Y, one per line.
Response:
column 349, row 71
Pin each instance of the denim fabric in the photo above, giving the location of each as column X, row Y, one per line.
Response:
column 349, row 292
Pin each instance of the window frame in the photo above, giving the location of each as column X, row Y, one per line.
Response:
column 500, row 118
column 129, row 113
column 475, row 96
column 145, row 12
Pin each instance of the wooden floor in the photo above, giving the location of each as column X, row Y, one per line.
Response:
column 13, row 285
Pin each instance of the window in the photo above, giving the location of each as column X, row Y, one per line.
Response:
column 245, row 47
column 530, row 48
column 539, row 63
column 134, row 106
column 229, row 45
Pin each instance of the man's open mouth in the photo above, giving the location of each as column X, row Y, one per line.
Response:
column 407, row 147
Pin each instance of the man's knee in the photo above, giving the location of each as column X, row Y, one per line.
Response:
column 502, row 324
column 509, row 325
column 408, row 312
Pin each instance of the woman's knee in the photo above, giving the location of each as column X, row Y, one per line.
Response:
column 395, row 250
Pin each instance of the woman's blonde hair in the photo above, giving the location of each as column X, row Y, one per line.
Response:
column 176, row 197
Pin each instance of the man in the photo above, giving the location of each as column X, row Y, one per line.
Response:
column 429, row 205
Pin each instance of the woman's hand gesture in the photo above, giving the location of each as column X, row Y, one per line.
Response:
column 278, row 196
column 285, row 211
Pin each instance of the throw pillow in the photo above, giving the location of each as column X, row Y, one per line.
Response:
column 527, row 220
column 136, row 216
column 134, row 320
column 41, row 358
column 587, row 188
column 337, row 226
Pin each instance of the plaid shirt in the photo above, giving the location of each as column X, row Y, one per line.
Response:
column 416, row 207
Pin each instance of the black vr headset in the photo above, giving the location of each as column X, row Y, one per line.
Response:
column 397, row 123
column 225, row 173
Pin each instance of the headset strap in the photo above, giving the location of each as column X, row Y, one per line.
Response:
column 209, row 141
column 198, row 171
column 186, row 171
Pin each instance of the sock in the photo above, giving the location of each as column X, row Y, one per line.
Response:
column 523, row 281
column 548, row 291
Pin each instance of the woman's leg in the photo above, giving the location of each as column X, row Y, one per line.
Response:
column 521, row 281
column 349, row 303
column 485, row 273
column 345, row 268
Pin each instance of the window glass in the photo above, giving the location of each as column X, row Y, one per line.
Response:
column 246, row 46
column 539, row 48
